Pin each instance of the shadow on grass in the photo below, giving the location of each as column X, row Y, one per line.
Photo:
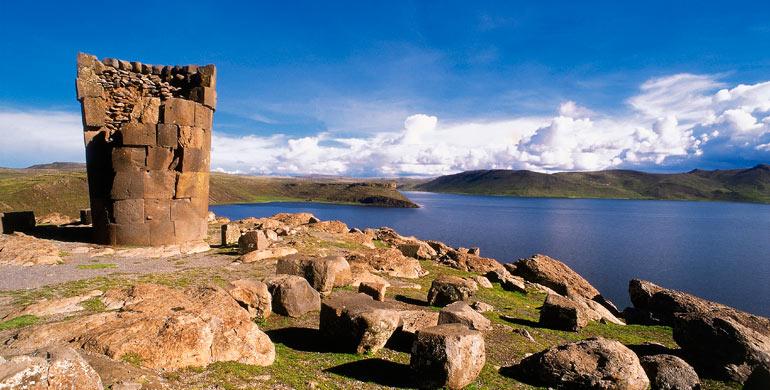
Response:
column 300, row 339
column 375, row 370
column 410, row 300
column 521, row 321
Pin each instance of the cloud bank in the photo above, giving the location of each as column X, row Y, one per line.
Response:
column 674, row 122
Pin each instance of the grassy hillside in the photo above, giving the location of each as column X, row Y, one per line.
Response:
column 64, row 189
column 745, row 185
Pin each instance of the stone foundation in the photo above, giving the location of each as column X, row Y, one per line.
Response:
column 147, row 133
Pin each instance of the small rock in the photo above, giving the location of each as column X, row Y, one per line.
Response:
column 460, row 313
column 448, row 355
column 376, row 290
column 482, row 281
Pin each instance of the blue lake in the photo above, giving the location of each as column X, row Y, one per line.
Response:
column 716, row 250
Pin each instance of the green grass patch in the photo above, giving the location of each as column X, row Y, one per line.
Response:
column 380, row 244
column 132, row 358
column 19, row 322
column 94, row 305
column 97, row 266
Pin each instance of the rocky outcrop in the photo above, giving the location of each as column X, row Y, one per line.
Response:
column 446, row 289
column 595, row 363
column 21, row 249
column 323, row 273
column 252, row 296
column 461, row 313
column 292, row 295
column 357, row 323
column 448, row 355
column 164, row 328
column 668, row 372
column 49, row 307
column 559, row 277
column 57, row 368
column 389, row 261
column 715, row 338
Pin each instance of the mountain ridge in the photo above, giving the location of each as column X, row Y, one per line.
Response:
column 742, row 185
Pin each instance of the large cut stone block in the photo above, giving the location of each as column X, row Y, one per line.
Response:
column 192, row 184
column 18, row 221
column 128, row 185
column 159, row 158
column 358, row 323
column 138, row 134
column 191, row 137
column 88, row 88
column 157, row 209
column 132, row 234
column 204, row 117
column 161, row 232
column 208, row 76
column 179, row 112
column 183, row 209
column 448, row 355
column 190, row 229
column 127, row 158
column 128, row 211
column 168, row 135
column 195, row 160
column 206, row 96
column 94, row 111
column 159, row 184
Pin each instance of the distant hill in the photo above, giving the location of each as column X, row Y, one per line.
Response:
column 743, row 185
column 62, row 187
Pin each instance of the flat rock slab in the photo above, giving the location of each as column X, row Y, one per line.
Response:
column 461, row 313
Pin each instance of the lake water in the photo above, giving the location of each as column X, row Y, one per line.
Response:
column 716, row 250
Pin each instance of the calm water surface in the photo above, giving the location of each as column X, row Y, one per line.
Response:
column 716, row 250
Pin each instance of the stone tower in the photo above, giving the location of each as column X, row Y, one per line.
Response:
column 147, row 132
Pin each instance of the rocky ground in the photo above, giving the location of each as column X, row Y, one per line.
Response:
column 278, row 307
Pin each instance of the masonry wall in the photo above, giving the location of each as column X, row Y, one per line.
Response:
column 147, row 133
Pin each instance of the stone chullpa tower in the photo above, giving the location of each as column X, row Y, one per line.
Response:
column 147, row 132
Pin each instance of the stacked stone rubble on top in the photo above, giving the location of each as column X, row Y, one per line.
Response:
column 147, row 131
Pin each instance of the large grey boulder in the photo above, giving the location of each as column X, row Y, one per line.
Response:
column 446, row 289
column 292, row 295
column 357, row 323
column 668, row 372
column 594, row 363
column 448, row 355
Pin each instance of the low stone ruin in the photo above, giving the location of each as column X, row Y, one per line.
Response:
column 147, row 133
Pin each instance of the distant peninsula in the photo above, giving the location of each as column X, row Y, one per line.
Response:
column 740, row 185
column 62, row 187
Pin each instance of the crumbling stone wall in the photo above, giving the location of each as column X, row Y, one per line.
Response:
column 147, row 132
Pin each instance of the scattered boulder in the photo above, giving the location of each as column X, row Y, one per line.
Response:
column 292, row 295
column 668, row 372
column 252, row 240
column 269, row 253
column 376, row 290
column 56, row 367
column 417, row 249
column 562, row 314
column 295, row 219
column 322, row 273
column 559, row 277
column 357, row 322
column 448, row 355
column 389, row 261
column 482, row 281
column 252, row 296
column 335, row 227
column 446, row 289
column 482, row 307
column 230, row 232
column 594, row 363
column 461, row 313
column 507, row 281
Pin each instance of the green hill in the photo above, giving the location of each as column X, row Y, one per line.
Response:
column 62, row 187
column 743, row 185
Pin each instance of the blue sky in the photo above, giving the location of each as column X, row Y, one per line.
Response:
column 417, row 88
